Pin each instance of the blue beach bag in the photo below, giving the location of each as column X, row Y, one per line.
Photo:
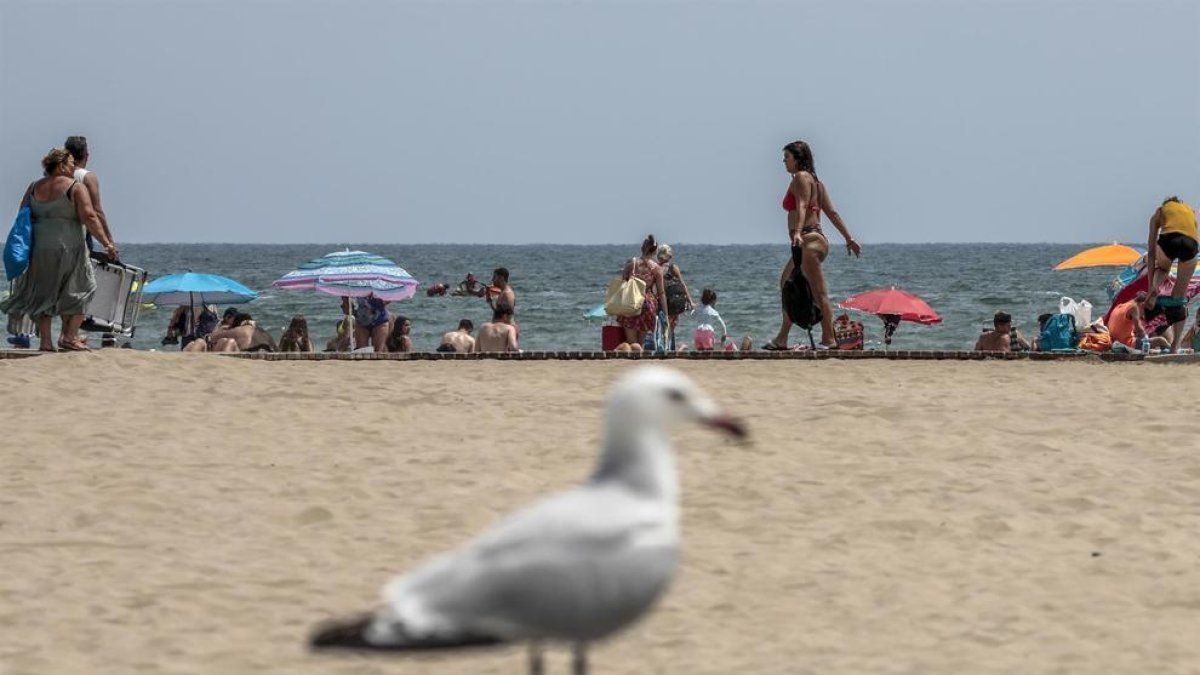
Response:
column 18, row 244
column 1059, row 333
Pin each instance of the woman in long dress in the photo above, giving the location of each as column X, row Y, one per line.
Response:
column 59, row 280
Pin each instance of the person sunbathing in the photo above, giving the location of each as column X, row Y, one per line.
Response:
column 243, row 336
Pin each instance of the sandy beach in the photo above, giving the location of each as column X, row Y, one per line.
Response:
column 166, row 513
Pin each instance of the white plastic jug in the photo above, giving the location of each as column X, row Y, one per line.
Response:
column 1082, row 310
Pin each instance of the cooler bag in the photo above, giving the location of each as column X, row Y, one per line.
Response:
column 611, row 337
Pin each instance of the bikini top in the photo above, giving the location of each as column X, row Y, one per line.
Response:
column 814, row 206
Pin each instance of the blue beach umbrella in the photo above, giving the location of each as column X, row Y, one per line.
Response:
column 188, row 287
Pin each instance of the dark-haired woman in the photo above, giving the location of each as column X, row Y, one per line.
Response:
column 648, row 270
column 295, row 338
column 398, row 339
column 59, row 280
column 806, row 198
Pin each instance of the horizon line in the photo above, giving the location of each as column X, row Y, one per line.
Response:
column 677, row 244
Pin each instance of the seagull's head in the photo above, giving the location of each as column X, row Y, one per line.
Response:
column 668, row 397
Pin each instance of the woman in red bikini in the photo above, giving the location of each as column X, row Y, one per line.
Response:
column 806, row 198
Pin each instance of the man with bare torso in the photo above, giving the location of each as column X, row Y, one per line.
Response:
column 500, row 292
column 499, row 334
column 78, row 147
column 1002, row 338
column 459, row 340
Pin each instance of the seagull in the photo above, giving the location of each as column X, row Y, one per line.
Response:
column 572, row 569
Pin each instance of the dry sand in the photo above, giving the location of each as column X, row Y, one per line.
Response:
column 197, row 514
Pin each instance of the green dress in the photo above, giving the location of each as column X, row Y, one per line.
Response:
column 59, row 280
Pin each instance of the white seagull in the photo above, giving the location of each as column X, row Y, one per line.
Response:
column 574, row 568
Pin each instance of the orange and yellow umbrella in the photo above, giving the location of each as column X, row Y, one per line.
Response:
column 1109, row 255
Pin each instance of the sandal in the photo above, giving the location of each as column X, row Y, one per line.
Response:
column 51, row 350
column 66, row 346
column 771, row 346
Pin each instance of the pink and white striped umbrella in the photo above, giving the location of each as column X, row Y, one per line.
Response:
column 353, row 274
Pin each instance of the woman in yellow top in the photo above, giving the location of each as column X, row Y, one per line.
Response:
column 1172, row 239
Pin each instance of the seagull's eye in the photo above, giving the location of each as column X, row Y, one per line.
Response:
column 676, row 395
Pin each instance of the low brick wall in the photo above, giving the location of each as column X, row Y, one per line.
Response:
column 758, row 355
column 19, row 353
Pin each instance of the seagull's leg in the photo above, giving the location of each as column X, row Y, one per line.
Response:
column 579, row 659
column 537, row 665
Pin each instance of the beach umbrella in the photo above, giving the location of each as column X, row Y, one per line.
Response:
column 1109, row 255
column 351, row 274
column 187, row 288
column 893, row 306
column 597, row 312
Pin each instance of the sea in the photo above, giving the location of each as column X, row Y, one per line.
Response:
column 557, row 285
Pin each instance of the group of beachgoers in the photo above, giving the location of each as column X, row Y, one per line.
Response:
column 1140, row 319
column 60, row 281
column 367, row 325
column 67, row 216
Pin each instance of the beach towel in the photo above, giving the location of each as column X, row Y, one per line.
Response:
column 799, row 302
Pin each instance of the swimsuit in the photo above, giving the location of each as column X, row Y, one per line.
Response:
column 814, row 206
column 371, row 313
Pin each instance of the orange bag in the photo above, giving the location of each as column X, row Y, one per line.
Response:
column 1096, row 342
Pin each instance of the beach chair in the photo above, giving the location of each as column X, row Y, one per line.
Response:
column 115, row 307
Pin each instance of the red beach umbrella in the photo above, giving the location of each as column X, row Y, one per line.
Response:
column 895, row 302
column 894, row 305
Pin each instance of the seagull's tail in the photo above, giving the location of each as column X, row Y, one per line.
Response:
column 350, row 634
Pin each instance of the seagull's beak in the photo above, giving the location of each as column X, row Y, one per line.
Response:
column 730, row 425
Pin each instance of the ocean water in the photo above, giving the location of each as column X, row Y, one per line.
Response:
column 556, row 285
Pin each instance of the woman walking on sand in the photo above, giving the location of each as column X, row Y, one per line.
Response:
column 679, row 298
column 649, row 271
column 804, row 201
column 59, row 280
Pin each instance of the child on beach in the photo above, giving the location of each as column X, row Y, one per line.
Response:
column 705, row 337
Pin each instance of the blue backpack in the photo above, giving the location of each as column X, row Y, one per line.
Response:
column 1059, row 333
column 16, row 248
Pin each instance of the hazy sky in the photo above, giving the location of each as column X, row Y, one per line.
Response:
column 591, row 122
